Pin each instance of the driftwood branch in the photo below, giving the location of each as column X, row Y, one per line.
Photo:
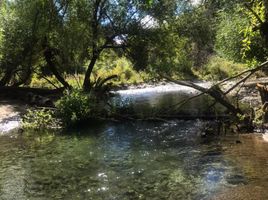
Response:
column 214, row 91
column 251, row 71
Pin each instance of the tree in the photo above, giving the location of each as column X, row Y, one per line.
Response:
column 59, row 36
column 240, row 29
column 229, row 34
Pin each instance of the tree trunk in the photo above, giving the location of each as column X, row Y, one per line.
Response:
column 263, row 90
column 7, row 77
column 264, row 24
column 49, row 59
column 213, row 91
column 86, row 84
column 24, row 90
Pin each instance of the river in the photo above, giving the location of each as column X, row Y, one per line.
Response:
column 135, row 160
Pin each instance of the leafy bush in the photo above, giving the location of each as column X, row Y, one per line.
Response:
column 77, row 106
column 72, row 108
column 237, row 38
column 172, row 56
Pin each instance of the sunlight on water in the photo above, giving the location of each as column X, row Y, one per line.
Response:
column 9, row 125
column 162, row 89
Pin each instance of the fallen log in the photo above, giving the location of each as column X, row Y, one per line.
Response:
column 214, row 91
column 5, row 90
column 32, row 96
column 263, row 90
column 252, row 84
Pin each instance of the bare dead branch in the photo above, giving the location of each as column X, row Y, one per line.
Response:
column 260, row 67
column 250, row 71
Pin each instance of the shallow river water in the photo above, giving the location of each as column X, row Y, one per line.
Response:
column 144, row 160
column 133, row 160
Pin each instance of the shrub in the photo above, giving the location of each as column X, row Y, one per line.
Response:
column 229, row 35
column 77, row 106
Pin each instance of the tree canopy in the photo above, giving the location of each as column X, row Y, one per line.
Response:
column 59, row 37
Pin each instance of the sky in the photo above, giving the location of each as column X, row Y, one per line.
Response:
column 195, row 2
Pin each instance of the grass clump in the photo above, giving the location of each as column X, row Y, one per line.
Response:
column 219, row 68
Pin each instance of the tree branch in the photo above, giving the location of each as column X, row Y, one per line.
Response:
column 214, row 91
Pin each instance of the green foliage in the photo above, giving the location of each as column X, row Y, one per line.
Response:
column 123, row 68
column 198, row 26
column 230, row 36
column 172, row 56
column 219, row 68
column 238, row 37
column 77, row 106
column 39, row 119
column 161, row 51
column 254, row 45
column 171, row 37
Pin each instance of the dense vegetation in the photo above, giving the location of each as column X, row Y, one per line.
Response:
column 85, row 43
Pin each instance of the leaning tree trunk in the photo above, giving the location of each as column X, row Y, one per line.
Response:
column 51, row 65
column 6, row 78
column 86, row 84
column 214, row 91
column 263, row 90
column 49, row 57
